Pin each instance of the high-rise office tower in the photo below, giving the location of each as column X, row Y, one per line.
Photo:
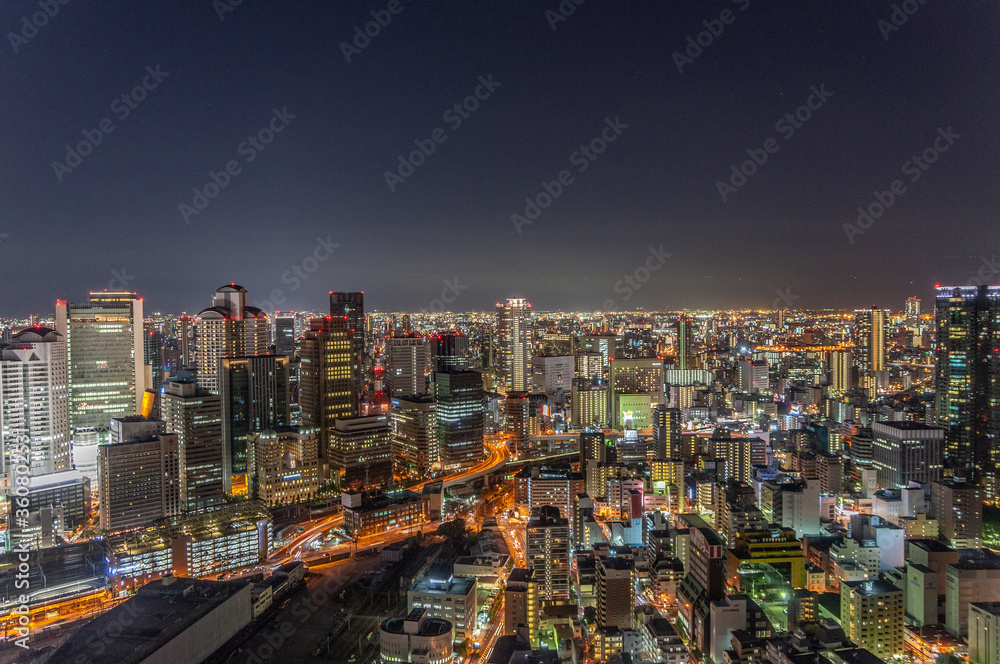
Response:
column 685, row 343
column 254, row 392
column 228, row 328
column 967, row 390
column 552, row 374
column 753, row 376
column 361, row 452
column 841, row 370
column 414, row 434
column 907, row 452
column 639, row 342
column 409, row 363
column 34, row 409
column 450, row 351
column 186, row 340
column 869, row 339
column 459, row 397
column 139, row 474
column 513, row 345
column 350, row 309
column 105, row 356
column 609, row 346
column 153, row 341
column 283, row 464
column 326, row 380
column 666, row 432
column 913, row 312
column 195, row 415
column 590, row 366
column 547, row 552
column 284, row 334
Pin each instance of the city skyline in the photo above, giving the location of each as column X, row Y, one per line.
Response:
column 782, row 303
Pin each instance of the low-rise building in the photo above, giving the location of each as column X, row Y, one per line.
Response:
column 416, row 637
column 365, row 516
column 446, row 596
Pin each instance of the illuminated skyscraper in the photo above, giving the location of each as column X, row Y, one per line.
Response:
column 666, row 432
column 254, row 393
column 34, row 410
column 408, row 366
column 284, row 334
column 869, row 339
column 450, row 351
column 967, row 401
column 229, row 328
column 350, row 308
column 361, row 452
column 841, row 367
column 139, row 474
column 195, row 415
column 912, row 312
column 414, row 434
column 685, row 343
column 459, row 398
column 153, row 357
column 513, row 345
column 547, row 553
column 326, row 380
column 105, row 356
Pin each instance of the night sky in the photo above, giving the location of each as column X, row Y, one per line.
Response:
column 115, row 218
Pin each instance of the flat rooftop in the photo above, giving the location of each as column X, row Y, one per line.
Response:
column 158, row 613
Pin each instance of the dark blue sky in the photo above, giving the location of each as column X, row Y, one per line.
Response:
column 116, row 215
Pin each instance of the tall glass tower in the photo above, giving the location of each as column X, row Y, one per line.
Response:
column 105, row 351
column 967, row 402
